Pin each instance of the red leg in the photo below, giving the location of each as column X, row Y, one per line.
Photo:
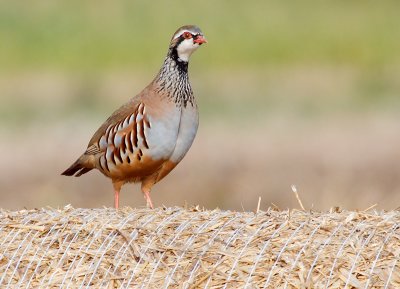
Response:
column 146, row 188
column 117, row 189
column 116, row 199
column 148, row 199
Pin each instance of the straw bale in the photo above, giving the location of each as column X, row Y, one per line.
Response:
column 193, row 248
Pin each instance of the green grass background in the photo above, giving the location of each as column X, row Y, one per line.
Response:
column 88, row 38
column 103, row 35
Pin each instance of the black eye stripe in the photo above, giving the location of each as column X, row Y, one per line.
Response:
column 194, row 36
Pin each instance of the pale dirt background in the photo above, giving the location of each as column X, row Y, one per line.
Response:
column 347, row 160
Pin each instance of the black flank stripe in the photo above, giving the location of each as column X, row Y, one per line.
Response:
column 100, row 165
column 121, row 124
column 115, row 127
column 142, row 134
column 147, row 122
column 126, row 121
column 108, row 133
column 129, row 121
column 110, row 139
column 117, row 153
column 106, row 163
column 135, row 138
column 113, row 159
column 123, row 146
column 129, row 142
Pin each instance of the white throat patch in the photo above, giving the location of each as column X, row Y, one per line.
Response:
column 186, row 48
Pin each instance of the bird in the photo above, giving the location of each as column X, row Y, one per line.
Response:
column 144, row 139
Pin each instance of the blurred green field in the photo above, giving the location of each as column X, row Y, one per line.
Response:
column 314, row 86
column 87, row 41
column 92, row 35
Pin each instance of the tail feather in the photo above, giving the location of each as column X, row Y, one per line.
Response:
column 77, row 169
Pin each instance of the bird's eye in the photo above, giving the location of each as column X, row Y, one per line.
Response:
column 187, row 35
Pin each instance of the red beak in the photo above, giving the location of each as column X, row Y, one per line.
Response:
column 200, row 40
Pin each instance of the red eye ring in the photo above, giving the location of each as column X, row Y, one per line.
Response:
column 187, row 35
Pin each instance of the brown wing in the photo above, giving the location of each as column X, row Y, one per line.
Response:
column 117, row 116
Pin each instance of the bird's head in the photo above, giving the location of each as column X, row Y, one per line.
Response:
column 186, row 40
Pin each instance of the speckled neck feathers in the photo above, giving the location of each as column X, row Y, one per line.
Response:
column 173, row 80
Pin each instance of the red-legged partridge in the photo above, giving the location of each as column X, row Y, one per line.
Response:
column 148, row 136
